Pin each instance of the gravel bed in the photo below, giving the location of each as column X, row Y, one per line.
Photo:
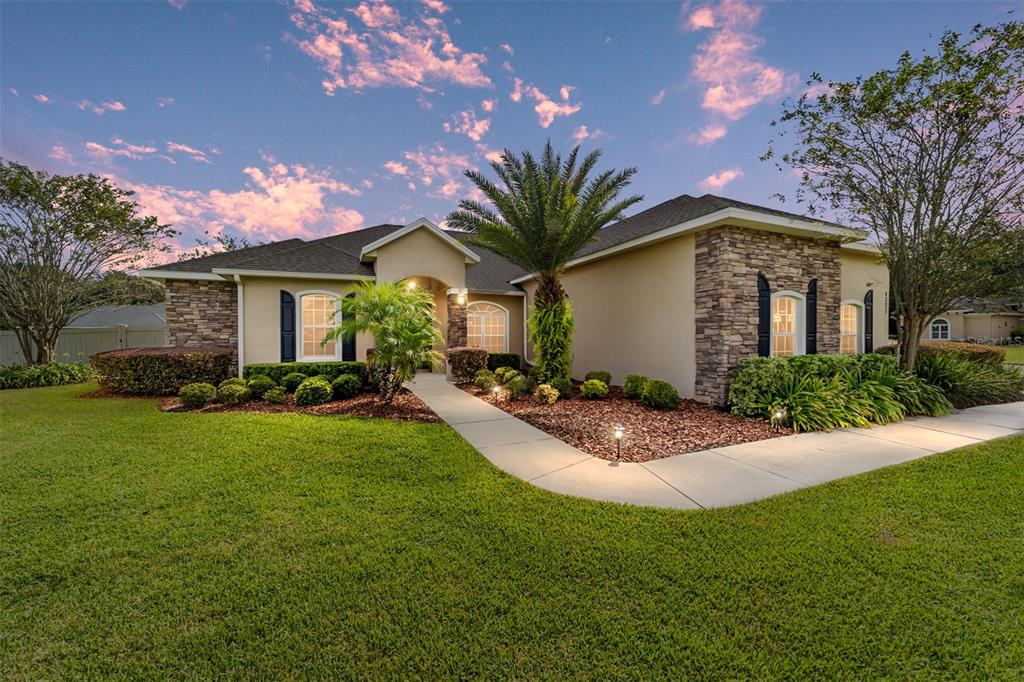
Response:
column 649, row 433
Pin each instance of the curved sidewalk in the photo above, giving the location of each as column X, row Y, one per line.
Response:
column 711, row 478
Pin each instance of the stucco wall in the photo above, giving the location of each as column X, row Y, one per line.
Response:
column 861, row 271
column 634, row 313
column 421, row 253
column 514, row 305
column 977, row 325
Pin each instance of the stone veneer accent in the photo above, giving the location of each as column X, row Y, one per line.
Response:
column 728, row 260
column 457, row 330
column 201, row 313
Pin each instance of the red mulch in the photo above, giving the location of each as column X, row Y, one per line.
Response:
column 406, row 407
column 649, row 433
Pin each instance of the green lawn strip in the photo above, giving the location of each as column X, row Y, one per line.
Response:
column 1015, row 354
column 135, row 543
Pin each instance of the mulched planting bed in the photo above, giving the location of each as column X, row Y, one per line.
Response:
column 649, row 434
column 406, row 407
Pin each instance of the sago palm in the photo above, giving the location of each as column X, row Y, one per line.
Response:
column 401, row 321
column 542, row 212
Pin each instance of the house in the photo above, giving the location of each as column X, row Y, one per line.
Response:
column 977, row 319
column 682, row 292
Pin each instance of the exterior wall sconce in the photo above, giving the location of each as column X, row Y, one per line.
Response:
column 410, row 285
column 461, row 299
column 461, row 295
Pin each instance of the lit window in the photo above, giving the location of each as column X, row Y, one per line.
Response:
column 318, row 319
column 487, row 327
column 849, row 328
column 940, row 328
column 784, row 326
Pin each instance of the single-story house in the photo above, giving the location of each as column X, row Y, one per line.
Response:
column 682, row 292
column 976, row 319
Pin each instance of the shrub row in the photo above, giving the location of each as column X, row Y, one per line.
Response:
column 308, row 390
column 328, row 370
column 52, row 374
column 973, row 352
column 162, row 371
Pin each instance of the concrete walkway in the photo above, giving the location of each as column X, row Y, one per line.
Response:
column 711, row 478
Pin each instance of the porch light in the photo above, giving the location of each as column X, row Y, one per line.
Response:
column 461, row 299
column 410, row 285
column 619, row 432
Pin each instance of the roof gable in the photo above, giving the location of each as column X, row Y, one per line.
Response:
column 369, row 251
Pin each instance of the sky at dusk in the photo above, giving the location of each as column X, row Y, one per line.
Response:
column 301, row 119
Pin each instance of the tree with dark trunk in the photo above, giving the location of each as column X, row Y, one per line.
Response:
column 545, row 212
column 928, row 157
column 59, row 238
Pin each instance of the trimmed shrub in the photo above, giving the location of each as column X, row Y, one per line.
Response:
column 1017, row 334
column 484, row 380
column 52, row 374
column 545, row 394
column 233, row 394
column 276, row 395
column 197, row 395
column 594, row 389
column 634, row 386
column 233, row 381
column 972, row 352
column 259, row 385
column 162, row 371
column 564, row 387
column 660, row 395
column 496, row 360
column 346, row 386
column 466, row 361
column 600, row 375
column 291, row 382
column 329, row 370
column 517, row 386
column 313, row 391
column 503, row 373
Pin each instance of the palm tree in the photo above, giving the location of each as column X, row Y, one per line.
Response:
column 543, row 214
column 401, row 321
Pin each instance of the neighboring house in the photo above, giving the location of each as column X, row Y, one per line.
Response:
column 682, row 292
column 111, row 327
column 976, row 319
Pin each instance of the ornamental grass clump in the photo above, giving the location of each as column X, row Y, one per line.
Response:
column 52, row 374
column 313, row 391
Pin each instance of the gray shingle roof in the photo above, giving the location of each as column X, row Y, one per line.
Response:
column 227, row 259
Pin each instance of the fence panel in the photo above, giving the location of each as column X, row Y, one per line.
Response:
column 78, row 344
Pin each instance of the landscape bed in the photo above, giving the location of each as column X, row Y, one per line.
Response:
column 648, row 433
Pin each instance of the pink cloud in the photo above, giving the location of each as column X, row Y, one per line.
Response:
column 466, row 123
column 60, row 154
column 42, row 99
column 195, row 154
column 165, row 102
column 178, row 4
column 493, row 155
column 547, row 109
column 13, row 91
column 507, row 48
column 702, row 17
column 709, row 134
column 584, row 133
column 100, row 109
column 118, row 148
column 716, row 182
column 437, row 166
column 388, row 50
column 659, row 97
column 489, row 105
column 396, row 168
column 436, row 6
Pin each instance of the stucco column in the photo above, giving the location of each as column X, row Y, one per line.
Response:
column 456, row 321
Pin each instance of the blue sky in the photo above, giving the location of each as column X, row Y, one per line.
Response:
column 281, row 119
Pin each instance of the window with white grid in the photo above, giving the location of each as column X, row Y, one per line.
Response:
column 784, row 340
column 318, row 319
column 849, row 328
column 487, row 327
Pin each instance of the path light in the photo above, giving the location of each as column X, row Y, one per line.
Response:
column 778, row 417
column 619, row 431
column 497, row 392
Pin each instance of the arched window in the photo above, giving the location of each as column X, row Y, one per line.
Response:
column 939, row 329
column 487, row 326
column 851, row 328
column 316, row 318
column 787, row 323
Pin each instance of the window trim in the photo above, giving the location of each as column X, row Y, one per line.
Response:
column 800, row 343
column 300, row 356
column 470, row 304
column 931, row 329
column 860, row 324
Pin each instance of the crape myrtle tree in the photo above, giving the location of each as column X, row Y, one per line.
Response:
column 928, row 157
column 542, row 212
column 60, row 239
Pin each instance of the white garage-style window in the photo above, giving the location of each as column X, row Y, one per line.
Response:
column 851, row 327
column 939, row 329
column 316, row 311
column 788, row 309
column 487, row 326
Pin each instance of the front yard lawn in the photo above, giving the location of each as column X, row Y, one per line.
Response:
column 135, row 543
column 1015, row 354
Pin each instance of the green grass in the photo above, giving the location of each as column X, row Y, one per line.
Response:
column 140, row 544
column 1015, row 354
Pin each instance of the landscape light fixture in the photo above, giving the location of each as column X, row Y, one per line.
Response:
column 619, row 431
column 411, row 285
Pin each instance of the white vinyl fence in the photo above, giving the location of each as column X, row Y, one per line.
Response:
column 78, row 344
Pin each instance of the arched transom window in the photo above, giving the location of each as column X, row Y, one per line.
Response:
column 850, row 325
column 316, row 318
column 939, row 329
column 487, row 327
column 787, row 324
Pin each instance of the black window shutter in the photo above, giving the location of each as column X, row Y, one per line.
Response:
column 764, row 316
column 869, row 321
column 348, row 346
column 287, row 327
column 811, row 347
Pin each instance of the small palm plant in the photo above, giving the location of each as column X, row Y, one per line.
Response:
column 401, row 321
column 545, row 212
